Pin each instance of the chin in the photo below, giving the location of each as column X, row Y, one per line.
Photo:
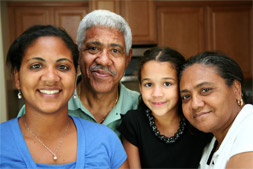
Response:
column 103, row 87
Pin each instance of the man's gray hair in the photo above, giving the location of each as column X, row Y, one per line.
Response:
column 108, row 19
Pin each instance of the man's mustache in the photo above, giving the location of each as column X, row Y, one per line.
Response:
column 102, row 67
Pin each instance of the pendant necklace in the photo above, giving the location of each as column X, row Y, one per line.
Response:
column 37, row 138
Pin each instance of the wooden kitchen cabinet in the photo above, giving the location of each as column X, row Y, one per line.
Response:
column 193, row 27
column 140, row 15
column 111, row 5
column 67, row 15
column 230, row 30
column 181, row 28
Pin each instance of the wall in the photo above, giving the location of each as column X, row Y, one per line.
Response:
column 3, row 103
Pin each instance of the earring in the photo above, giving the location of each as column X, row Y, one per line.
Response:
column 240, row 102
column 19, row 94
column 74, row 96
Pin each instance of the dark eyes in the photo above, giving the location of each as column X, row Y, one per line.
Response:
column 205, row 91
column 164, row 84
column 115, row 51
column 61, row 67
column 35, row 66
column 148, row 84
column 167, row 84
column 185, row 97
column 202, row 92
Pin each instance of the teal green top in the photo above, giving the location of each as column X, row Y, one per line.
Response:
column 128, row 100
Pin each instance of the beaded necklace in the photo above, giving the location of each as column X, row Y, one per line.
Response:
column 167, row 140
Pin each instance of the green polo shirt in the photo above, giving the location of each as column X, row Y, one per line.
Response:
column 128, row 100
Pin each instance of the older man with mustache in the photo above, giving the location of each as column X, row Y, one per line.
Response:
column 104, row 42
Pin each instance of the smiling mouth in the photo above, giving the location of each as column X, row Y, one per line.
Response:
column 158, row 103
column 49, row 91
column 200, row 114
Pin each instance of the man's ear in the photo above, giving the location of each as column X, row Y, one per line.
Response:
column 17, row 81
column 237, row 89
column 129, row 57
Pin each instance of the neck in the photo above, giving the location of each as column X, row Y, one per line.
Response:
column 45, row 124
column 168, row 119
column 221, row 133
column 168, row 124
column 99, row 104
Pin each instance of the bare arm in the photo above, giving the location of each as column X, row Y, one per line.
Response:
column 124, row 165
column 241, row 161
column 132, row 155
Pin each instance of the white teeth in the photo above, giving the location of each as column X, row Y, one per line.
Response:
column 49, row 91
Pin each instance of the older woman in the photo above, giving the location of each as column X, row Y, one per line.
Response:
column 44, row 61
column 213, row 101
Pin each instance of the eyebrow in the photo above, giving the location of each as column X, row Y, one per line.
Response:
column 93, row 43
column 166, row 78
column 43, row 60
column 197, row 86
column 64, row 59
column 100, row 44
column 116, row 45
column 36, row 58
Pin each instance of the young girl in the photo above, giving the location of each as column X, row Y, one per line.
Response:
column 157, row 135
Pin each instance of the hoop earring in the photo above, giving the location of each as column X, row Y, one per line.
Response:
column 19, row 94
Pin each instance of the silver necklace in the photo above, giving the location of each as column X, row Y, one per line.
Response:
column 37, row 138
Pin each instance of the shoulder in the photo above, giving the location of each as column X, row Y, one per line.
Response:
column 244, row 119
column 5, row 126
column 128, row 93
column 11, row 141
column 128, row 99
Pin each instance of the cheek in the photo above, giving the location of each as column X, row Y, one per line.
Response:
column 172, row 93
column 145, row 94
column 186, row 110
column 120, row 64
column 86, row 59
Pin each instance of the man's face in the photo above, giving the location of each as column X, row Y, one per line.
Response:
column 103, row 58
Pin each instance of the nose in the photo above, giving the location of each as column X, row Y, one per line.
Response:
column 197, row 103
column 157, row 91
column 104, row 58
column 50, row 76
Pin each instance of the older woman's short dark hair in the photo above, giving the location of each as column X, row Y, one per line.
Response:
column 226, row 67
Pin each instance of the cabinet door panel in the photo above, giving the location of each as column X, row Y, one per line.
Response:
column 69, row 19
column 181, row 28
column 140, row 15
column 231, row 32
column 26, row 17
column 111, row 5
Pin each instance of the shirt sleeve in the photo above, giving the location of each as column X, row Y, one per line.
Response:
column 118, row 154
column 244, row 140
